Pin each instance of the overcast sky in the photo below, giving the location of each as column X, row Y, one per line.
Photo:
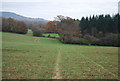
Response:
column 48, row 9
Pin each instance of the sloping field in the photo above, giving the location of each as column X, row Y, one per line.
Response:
column 28, row 57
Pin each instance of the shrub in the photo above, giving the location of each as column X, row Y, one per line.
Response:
column 90, row 38
column 37, row 34
column 82, row 41
column 109, row 40
column 37, row 31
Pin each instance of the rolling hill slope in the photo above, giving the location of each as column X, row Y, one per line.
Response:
column 20, row 17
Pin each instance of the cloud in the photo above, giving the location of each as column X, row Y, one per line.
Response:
column 98, row 1
column 48, row 9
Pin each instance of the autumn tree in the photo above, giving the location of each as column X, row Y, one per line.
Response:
column 69, row 29
column 10, row 25
column 14, row 26
column 51, row 27
column 22, row 28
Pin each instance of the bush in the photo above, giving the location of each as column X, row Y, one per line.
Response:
column 65, row 38
column 37, row 34
column 71, row 40
column 109, row 40
column 90, row 38
column 37, row 31
column 82, row 41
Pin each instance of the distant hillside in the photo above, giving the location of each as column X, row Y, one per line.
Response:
column 19, row 17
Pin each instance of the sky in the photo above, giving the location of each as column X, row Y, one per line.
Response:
column 48, row 9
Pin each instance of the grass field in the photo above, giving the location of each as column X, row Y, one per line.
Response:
column 46, row 34
column 51, row 34
column 28, row 57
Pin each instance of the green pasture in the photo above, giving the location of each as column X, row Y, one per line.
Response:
column 45, row 34
column 51, row 34
column 28, row 57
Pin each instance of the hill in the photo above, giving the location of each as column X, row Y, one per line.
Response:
column 20, row 17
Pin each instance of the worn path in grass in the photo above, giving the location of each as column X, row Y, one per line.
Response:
column 57, row 67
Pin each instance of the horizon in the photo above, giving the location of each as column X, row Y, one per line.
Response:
column 50, row 9
column 53, row 20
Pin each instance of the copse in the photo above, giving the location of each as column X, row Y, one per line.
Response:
column 68, row 29
column 14, row 26
column 100, row 23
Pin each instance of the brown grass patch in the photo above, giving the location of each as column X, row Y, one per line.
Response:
column 44, row 51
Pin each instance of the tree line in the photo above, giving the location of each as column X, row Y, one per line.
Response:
column 100, row 23
column 14, row 26
column 95, row 30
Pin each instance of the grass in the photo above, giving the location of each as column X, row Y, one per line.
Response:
column 26, row 58
column 46, row 34
column 51, row 34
